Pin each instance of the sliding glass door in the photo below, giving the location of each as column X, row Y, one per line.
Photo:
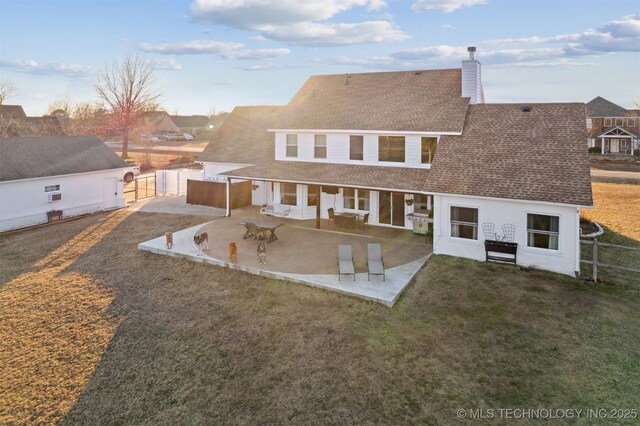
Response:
column 391, row 208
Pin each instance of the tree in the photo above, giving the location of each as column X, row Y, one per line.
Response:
column 7, row 89
column 126, row 90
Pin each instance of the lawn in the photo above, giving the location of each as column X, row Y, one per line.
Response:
column 94, row 331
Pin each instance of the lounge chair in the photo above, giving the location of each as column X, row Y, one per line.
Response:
column 345, row 262
column 375, row 261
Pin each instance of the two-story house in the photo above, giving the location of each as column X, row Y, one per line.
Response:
column 396, row 145
column 612, row 129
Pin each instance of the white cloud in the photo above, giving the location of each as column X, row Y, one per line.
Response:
column 32, row 67
column 223, row 49
column 299, row 22
column 313, row 34
column 165, row 64
column 446, row 6
column 255, row 14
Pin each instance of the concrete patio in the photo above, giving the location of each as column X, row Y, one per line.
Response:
column 307, row 255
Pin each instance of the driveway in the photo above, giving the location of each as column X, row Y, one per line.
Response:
column 614, row 174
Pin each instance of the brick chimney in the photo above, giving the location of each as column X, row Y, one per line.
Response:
column 471, row 79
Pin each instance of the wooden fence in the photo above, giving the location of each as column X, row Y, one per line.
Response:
column 595, row 263
column 214, row 194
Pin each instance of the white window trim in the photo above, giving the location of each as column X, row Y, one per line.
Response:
column 538, row 250
column 287, row 145
column 475, row 242
column 631, row 122
column 315, row 145
column 405, row 151
column 350, row 160
column 356, row 198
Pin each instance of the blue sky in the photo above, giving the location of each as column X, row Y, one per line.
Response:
column 223, row 53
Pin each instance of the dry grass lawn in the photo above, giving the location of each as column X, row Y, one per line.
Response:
column 617, row 206
column 94, row 331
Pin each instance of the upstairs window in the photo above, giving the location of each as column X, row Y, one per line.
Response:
column 292, row 146
column 608, row 122
column 429, row 145
column 543, row 231
column 464, row 223
column 356, row 147
column 288, row 194
column 320, row 146
column 391, row 148
column 589, row 123
column 631, row 122
column 619, row 121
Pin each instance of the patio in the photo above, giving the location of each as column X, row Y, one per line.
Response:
column 307, row 255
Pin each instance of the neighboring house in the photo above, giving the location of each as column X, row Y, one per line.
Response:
column 72, row 174
column 403, row 145
column 612, row 129
column 158, row 122
column 12, row 111
column 192, row 124
column 15, row 123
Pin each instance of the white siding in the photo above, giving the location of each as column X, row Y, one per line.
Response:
column 472, row 82
column 565, row 260
column 212, row 170
column 25, row 203
column 338, row 146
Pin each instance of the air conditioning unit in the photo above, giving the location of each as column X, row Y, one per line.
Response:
column 55, row 196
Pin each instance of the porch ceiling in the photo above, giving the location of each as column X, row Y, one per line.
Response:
column 391, row 178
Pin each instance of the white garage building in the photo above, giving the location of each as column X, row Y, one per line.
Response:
column 45, row 178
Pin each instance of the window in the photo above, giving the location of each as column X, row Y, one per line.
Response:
column 292, row 146
column 288, row 194
column 356, row 148
column 312, row 195
column 464, row 223
column 543, row 231
column 631, row 122
column 50, row 188
column 391, row 148
column 422, row 203
column 619, row 121
column 428, row 149
column 589, row 123
column 320, row 146
column 355, row 199
column 608, row 122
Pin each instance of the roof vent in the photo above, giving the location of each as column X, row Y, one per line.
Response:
column 471, row 50
column 417, row 73
column 526, row 108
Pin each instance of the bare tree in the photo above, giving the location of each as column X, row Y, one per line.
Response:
column 60, row 107
column 7, row 89
column 127, row 90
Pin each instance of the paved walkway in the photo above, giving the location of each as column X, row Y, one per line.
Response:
column 306, row 255
column 615, row 174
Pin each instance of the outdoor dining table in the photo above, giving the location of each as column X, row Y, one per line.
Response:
column 347, row 219
column 266, row 225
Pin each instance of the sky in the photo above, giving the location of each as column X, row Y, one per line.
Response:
column 216, row 54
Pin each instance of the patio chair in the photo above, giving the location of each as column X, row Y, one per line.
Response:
column 489, row 231
column 267, row 210
column 363, row 221
column 332, row 216
column 253, row 231
column 375, row 261
column 509, row 232
column 345, row 262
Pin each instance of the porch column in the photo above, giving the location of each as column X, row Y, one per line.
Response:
column 228, row 197
column 602, row 145
column 318, row 194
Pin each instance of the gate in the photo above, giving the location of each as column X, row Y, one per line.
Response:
column 140, row 188
column 214, row 194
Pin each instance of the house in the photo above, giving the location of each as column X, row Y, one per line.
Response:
column 12, row 111
column 418, row 146
column 612, row 129
column 191, row 124
column 158, row 122
column 15, row 123
column 42, row 177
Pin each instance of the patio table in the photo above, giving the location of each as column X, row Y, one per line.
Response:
column 266, row 225
column 347, row 219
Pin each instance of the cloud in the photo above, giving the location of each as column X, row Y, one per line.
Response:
column 256, row 14
column 225, row 50
column 165, row 64
column 313, row 34
column 299, row 22
column 32, row 67
column 446, row 6
column 206, row 31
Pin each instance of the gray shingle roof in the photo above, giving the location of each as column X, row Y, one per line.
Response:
column 600, row 107
column 407, row 100
column 190, row 120
column 507, row 153
column 32, row 157
column 12, row 111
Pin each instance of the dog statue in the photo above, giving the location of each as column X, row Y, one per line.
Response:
column 233, row 252
column 202, row 242
column 262, row 253
column 169, row 237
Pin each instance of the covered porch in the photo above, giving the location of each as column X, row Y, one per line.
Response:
column 618, row 141
column 305, row 254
